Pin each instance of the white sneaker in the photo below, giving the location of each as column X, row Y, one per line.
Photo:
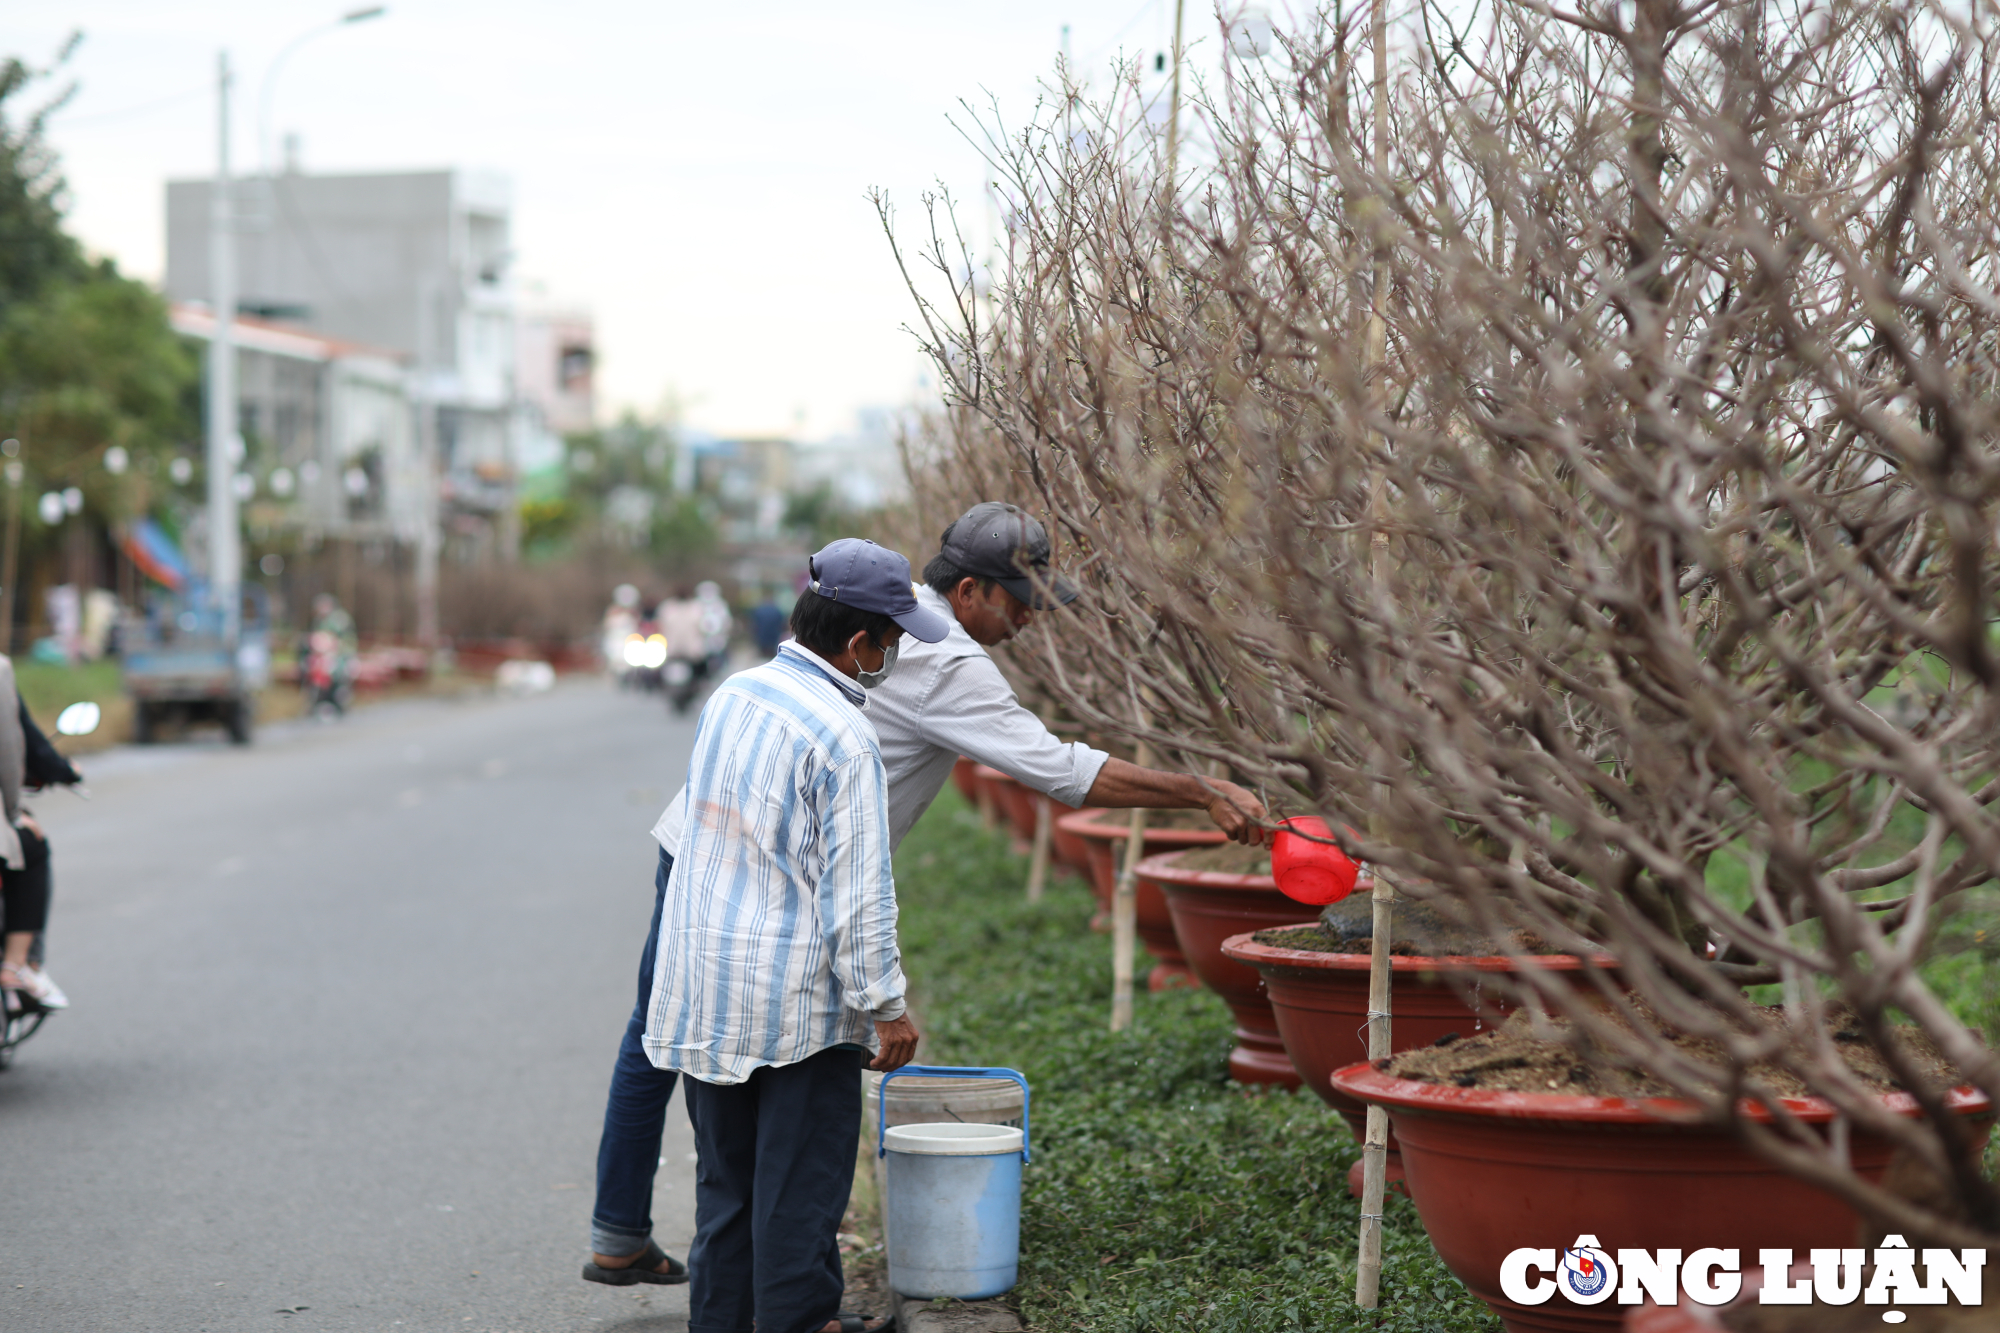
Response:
column 35, row 983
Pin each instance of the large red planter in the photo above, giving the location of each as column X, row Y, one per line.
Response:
column 1320, row 1001
column 1493, row 1171
column 1103, row 832
column 964, row 777
column 1000, row 790
column 1019, row 801
column 1070, row 847
column 1208, row 907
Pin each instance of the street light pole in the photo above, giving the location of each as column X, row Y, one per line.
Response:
column 225, row 551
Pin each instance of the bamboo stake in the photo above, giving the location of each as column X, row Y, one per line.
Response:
column 1375, row 1138
column 1038, row 861
column 989, row 814
column 1125, row 911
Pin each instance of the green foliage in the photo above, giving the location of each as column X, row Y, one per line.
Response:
column 546, row 523
column 684, row 532
column 34, row 249
column 616, row 489
column 1162, row 1196
column 820, row 515
column 87, row 359
column 48, row 688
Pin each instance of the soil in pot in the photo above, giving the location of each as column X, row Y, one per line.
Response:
column 1213, row 893
column 1512, row 1058
column 1319, row 995
column 1505, row 1146
column 1230, row 858
column 1422, row 931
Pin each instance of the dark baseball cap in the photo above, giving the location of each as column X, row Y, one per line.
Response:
column 1005, row 543
column 856, row 572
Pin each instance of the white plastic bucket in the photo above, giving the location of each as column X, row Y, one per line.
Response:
column 954, row 1209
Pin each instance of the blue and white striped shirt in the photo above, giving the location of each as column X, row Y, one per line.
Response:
column 778, row 933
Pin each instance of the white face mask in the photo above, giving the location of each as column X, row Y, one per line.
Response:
column 868, row 680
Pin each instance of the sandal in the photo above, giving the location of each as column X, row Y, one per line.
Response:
column 855, row 1323
column 644, row 1267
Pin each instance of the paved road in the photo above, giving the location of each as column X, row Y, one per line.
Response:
column 344, row 1006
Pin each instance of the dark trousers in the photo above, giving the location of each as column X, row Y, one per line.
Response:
column 635, row 1115
column 24, row 893
column 777, row 1162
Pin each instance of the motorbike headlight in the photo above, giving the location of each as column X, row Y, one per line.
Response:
column 656, row 651
column 635, row 651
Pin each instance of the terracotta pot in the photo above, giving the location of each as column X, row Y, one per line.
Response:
column 1207, row 907
column 1104, row 833
column 1492, row 1171
column 999, row 790
column 1320, row 1001
column 962, row 777
column 1070, row 848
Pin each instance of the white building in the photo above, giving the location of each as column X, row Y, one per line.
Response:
column 330, row 429
column 415, row 263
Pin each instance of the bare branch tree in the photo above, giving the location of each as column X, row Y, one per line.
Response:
column 1686, row 458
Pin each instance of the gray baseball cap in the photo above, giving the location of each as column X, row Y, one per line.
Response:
column 1003, row 542
column 856, row 572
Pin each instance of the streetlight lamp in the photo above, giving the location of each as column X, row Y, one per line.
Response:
column 353, row 16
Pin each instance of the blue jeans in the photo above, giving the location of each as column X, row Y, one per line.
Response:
column 635, row 1115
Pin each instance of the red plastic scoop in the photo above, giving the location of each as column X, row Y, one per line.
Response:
column 1308, row 871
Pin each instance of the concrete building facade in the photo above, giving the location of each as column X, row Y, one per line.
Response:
column 329, row 430
column 416, row 264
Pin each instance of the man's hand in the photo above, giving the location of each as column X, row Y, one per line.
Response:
column 899, row 1044
column 1236, row 812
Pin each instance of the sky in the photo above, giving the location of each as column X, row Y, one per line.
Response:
column 695, row 175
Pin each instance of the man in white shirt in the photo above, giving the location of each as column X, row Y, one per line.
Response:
column 945, row 699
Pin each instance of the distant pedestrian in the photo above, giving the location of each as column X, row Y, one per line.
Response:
column 767, row 625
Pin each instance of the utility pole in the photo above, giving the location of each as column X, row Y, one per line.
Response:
column 225, row 552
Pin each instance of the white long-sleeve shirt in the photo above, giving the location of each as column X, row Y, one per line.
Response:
column 944, row 700
column 778, row 930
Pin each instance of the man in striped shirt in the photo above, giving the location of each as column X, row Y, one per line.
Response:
column 777, row 973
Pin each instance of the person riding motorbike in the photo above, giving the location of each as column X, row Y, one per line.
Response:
column 27, row 762
column 684, row 622
column 327, row 672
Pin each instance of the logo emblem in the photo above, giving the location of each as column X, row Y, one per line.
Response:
column 1587, row 1273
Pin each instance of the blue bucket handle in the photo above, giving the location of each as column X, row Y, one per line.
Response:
column 944, row 1071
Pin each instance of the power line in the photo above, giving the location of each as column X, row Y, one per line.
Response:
column 67, row 121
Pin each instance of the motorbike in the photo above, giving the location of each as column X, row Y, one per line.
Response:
column 683, row 678
column 21, row 1017
column 326, row 674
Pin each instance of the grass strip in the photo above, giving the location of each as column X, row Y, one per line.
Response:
column 1162, row 1196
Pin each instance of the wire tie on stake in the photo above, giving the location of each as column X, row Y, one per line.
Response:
column 1373, row 1014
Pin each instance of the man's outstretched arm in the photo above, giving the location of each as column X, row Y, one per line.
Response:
column 1121, row 786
